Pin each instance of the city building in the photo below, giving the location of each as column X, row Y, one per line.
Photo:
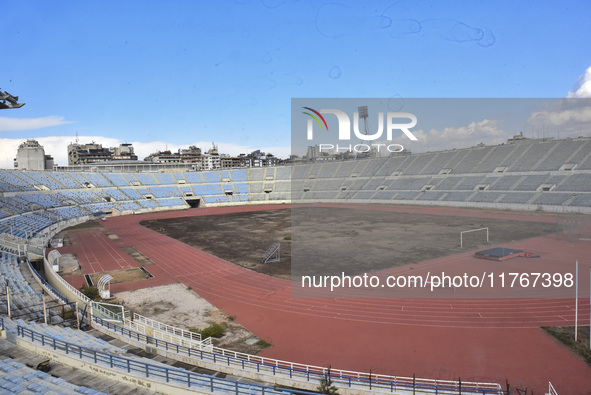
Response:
column 80, row 154
column 191, row 155
column 232, row 162
column 123, row 152
column 31, row 156
column 260, row 159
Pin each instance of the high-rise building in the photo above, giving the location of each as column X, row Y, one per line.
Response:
column 31, row 156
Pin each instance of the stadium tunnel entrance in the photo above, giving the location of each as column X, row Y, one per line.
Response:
column 193, row 202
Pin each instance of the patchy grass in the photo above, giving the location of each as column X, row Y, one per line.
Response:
column 216, row 330
column 263, row 344
column 566, row 335
column 121, row 276
column 91, row 292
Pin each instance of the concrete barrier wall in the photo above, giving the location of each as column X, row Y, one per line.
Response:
column 63, row 287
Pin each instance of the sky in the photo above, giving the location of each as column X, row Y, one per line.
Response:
column 177, row 73
column 441, row 123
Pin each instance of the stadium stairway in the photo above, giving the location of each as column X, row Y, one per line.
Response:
column 26, row 299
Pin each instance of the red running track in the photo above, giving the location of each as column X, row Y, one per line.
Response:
column 475, row 339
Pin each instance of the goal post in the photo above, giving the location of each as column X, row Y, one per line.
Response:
column 469, row 231
column 272, row 254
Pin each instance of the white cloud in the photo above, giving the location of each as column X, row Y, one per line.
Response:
column 56, row 146
column 15, row 124
column 8, row 149
column 561, row 118
column 583, row 86
column 487, row 131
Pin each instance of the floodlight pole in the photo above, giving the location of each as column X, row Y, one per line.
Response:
column 8, row 101
column 363, row 113
column 576, row 297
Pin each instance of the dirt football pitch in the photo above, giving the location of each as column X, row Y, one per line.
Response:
column 354, row 240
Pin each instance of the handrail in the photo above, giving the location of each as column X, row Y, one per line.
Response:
column 307, row 373
column 174, row 375
column 166, row 336
column 46, row 286
column 101, row 308
column 167, row 328
column 85, row 299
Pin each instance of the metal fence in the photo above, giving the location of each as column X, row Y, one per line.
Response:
column 253, row 363
column 12, row 246
column 171, row 330
column 170, row 375
column 108, row 311
column 308, row 373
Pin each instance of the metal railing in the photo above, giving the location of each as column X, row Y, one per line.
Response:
column 173, row 376
column 102, row 309
column 141, row 326
column 16, row 248
column 166, row 328
column 44, row 235
column 45, row 285
column 77, row 294
column 307, row 373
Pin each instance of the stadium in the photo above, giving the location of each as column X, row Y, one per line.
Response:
column 452, row 341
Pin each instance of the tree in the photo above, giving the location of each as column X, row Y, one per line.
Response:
column 326, row 386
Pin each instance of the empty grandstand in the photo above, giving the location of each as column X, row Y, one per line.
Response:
column 548, row 175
